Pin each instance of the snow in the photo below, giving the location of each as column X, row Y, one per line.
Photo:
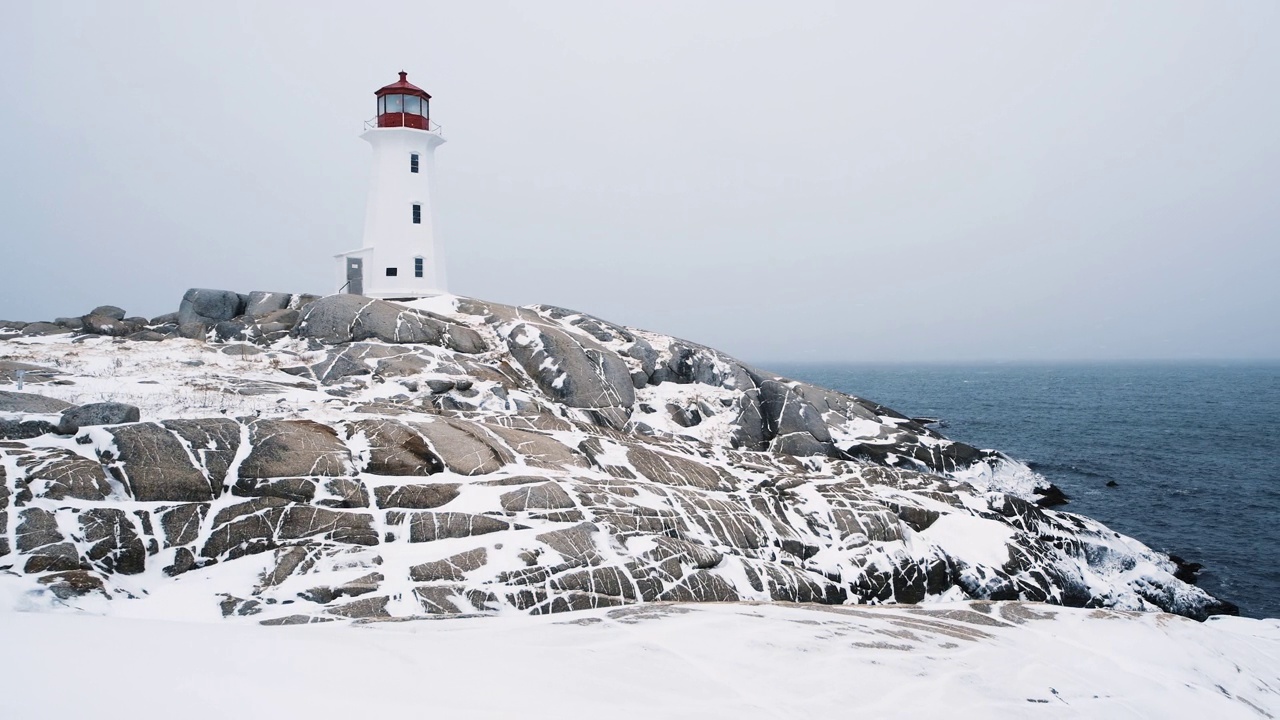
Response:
column 947, row 658
column 1002, row 476
column 959, row 660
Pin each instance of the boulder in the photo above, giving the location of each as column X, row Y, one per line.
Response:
column 575, row 371
column 232, row 606
column 748, row 422
column 261, row 304
column 440, row 385
column 349, row 318
column 675, row 470
column 286, row 317
column 288, row 560
column 102, row 413
column 544, row 496
column 394, row 448
column 154, row 465
column 108, row 311
column 293, row 448
column 101, row 325
column 52, row 558
column 343, row 493
column 166, row 319
column 465, row 448
column 213, row 443
column 354, row 588
column 25, row 430
column 313, row 522
column 181, row 524
column 690, row 363
column 611, row 582
column 209, row 307
column 415, row 497
column 785, row 411
column 643, row 352
column 62, row 474
column 801, row 444
column 73, row 583
column 429, row 526
column 194, row 330
column 244, row 528
column 453, row 568
column 302, row 301
column 363, row 608
column 698, row 556
column 844, row 407
column 228, row 330
column 539, row 450
column 31, row 403
column 115, row 545
column 465, row 340
column 36, row 529
column 40, row 329
column 298, row 490
column 354, row 359
column 576, row 545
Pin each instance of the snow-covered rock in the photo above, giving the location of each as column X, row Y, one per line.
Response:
column 454, row 456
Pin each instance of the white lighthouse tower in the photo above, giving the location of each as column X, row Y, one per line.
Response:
column 401, row 255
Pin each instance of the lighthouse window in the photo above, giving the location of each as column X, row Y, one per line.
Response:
column 417, row 267
column 395, row 103
column 413, row 104
column 413, row 163
column 426, row 110
column 417, row 214
column 392, row 272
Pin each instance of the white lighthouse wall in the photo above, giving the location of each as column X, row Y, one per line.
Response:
column 391, row 239
column 435, row 271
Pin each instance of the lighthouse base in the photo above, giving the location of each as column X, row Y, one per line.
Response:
column 358, row 274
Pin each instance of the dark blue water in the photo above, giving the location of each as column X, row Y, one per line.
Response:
column 1195, row 448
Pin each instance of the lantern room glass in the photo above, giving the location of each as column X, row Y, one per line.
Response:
column 413, row 104
column 394, row 103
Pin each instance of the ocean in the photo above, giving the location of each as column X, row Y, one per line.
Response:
column 1194, row 448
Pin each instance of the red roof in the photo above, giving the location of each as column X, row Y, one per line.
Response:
column 402, row 87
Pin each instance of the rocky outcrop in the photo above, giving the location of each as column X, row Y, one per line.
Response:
column 574, row 371
column 348, row 318
column 16, row 402
column 283, row 448
column 154, row 464
column 377, row 459
column 64, row 475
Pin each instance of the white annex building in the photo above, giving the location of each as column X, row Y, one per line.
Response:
column 400, row 256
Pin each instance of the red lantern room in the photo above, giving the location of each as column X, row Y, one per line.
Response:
column 403, row 104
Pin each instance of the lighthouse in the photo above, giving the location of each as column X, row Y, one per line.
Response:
column 400, row 256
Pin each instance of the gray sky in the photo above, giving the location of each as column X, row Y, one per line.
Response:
column 784, row 181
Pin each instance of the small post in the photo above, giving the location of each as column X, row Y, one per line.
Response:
column 21, row 374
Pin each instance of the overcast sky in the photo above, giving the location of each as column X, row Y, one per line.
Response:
column 785, row 181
